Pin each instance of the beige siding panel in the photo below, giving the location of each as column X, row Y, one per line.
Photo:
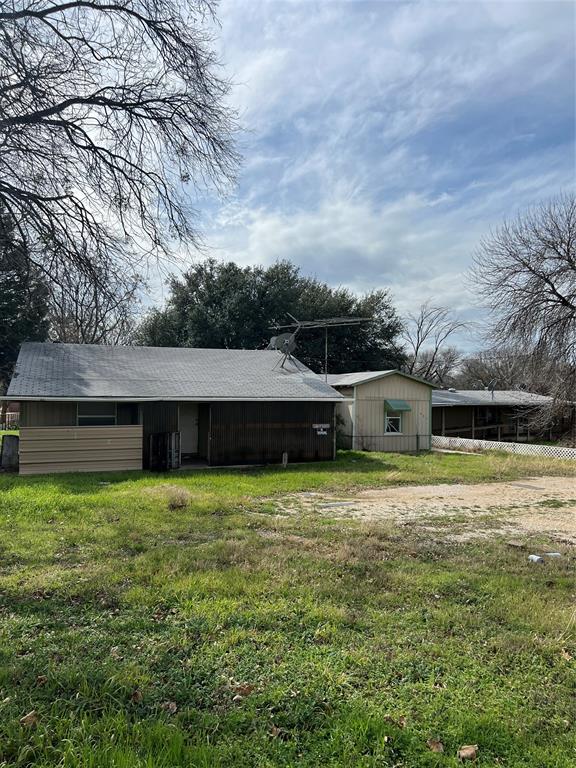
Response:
column 52, row 414
column 396, row 387
column 370, row 422
column 80, row 449
column 344, row 424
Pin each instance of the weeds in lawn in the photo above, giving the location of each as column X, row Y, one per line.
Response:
column 178, row 498
column 136, row 635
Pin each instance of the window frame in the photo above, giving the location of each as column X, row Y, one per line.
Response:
column 106, row 418
column 398, row 416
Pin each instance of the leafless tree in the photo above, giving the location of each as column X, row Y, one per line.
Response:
column 111, row 113
column 426, row 335
column 86, row 311
column 526, row 274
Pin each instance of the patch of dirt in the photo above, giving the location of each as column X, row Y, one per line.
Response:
column 537, row 505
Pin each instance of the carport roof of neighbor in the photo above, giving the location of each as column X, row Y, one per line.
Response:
column 48, row 371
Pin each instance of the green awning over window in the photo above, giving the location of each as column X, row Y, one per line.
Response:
column 397, row 405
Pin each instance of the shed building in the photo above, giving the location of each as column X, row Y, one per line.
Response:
column 383, row 411
column 92, row 408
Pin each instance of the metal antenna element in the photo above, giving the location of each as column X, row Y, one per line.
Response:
column 326, row 323
column 285, row 343
column 492, row 387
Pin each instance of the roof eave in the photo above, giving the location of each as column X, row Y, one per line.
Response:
column 43, row 399
column 384, row 375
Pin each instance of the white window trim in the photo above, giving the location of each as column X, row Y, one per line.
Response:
column 398, row 416
column 101, row 416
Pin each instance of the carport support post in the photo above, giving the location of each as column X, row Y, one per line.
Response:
column 443, row 422
column 473, row 422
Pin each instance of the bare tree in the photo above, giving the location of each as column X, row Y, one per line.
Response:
column 503, row 367
column 526, row 274
column 86, row 311
column 426, row 335
column 109, row 111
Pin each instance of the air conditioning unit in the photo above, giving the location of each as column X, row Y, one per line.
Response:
column 164, row 451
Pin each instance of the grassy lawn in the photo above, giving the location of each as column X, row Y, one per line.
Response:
column 177, row 620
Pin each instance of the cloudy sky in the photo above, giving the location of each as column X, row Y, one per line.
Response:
column 383, row 139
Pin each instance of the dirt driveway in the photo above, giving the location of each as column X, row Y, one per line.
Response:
column 536, row 505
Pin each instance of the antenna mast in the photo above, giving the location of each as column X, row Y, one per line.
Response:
column 326, row 323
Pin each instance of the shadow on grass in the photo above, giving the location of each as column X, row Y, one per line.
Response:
column 94, row 482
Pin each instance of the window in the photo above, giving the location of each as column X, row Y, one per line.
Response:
column 96, row 414
column 393, row 410
column 393, row 423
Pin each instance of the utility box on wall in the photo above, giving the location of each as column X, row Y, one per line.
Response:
column 9, row 461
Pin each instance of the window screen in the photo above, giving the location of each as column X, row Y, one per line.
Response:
column 96, row 414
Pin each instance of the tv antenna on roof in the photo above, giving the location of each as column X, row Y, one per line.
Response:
column 325, row 323
column 285, row 343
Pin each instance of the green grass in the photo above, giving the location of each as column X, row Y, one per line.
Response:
column 360, row 641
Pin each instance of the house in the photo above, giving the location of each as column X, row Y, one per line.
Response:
column 383, row 411
column 92, row 408
column 486, row 415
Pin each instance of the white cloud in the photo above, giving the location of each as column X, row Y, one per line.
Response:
column 383, row 139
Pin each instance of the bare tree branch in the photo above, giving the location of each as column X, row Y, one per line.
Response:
column 426, row 335
column 111, row 113
column 99, row 309
column 526, row 274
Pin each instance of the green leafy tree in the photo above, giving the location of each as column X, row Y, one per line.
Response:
column 223, row 305
column 23, row 300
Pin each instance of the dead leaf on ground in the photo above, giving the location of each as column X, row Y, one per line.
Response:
column 242, row 690
column 566, row 655
column 30, row 720
column 115, row 652
column 275, row 732
column 435, row 745
column 41, row 679
column 170, row 706
column 136, row 696
column 468, row 752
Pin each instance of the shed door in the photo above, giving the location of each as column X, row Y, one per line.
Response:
column 189, row 428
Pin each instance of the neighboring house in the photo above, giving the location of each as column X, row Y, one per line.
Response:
column 499, row 415
column 10, row 417
column 383, row 411
column 90, row 407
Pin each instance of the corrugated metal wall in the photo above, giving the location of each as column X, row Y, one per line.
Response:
column 80, row 449
column 261, row 432
column 157, row 417
column 52, row 414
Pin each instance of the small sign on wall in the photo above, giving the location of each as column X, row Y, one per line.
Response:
column 321, row 429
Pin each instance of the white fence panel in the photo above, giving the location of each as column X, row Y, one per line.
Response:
column 466, row 444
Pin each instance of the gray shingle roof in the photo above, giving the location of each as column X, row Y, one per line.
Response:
column 55, row 371
column 361, row 377
column 443, row 397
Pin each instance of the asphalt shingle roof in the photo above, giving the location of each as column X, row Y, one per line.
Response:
column 46, row 370
column 444, row 397
column 361, row 377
